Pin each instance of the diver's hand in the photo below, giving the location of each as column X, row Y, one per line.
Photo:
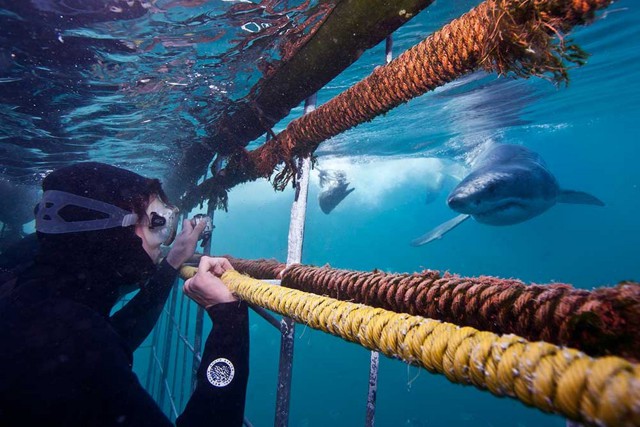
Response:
column 185, row 244
column 206, row 288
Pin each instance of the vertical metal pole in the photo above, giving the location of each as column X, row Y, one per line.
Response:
column 151, row 368
column 175, row 364
column 389, row 49
column 373, row 389
column 197, row 342
column 285, row 370
column 167, row 344
column 375, row 357
column 184, row 355
column 294, row 256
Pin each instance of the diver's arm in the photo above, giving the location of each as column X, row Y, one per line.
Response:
column 137, row 318
column 224, row 370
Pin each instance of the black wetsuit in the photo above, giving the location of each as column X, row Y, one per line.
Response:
column 134, row 322
column 64, row 362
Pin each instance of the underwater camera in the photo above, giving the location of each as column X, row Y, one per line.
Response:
column 208, row 228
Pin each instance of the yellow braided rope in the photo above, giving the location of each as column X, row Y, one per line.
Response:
column 601, row 391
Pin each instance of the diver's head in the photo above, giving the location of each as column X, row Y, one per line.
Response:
column 95, row 215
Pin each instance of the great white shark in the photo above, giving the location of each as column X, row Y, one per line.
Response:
column 508, row 184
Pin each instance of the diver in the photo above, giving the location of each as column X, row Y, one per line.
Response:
column 64, row 361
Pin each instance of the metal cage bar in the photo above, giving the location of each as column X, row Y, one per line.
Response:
column 167, row 347
column 294, row 255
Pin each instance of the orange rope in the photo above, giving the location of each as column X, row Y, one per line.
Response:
column 259, row 268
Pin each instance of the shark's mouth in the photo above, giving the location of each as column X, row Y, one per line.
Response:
column 502, row 209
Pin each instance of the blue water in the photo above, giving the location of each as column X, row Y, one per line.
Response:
column 588, row 135
column 587, row 132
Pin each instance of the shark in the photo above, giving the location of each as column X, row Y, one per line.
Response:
column 508, row 184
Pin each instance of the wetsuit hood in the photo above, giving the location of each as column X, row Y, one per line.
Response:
column 90, row 267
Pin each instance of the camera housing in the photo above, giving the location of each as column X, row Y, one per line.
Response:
column 208, row 228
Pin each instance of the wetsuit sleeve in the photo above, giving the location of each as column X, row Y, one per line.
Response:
column 219, row 397
column 137, row 318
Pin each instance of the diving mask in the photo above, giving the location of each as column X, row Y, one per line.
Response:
column 48, row 219
column 162, row 223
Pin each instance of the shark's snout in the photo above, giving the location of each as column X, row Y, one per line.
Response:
column 458, row 202
column 454, row 201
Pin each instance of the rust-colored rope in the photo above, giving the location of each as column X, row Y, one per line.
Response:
column 258, row 268
column 520, row 36
column 261, row 268
column 599, row 322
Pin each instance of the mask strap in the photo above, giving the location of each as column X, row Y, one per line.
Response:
column 53, row 201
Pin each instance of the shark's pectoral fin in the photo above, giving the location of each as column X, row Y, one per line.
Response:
column 439, row 231
column 578, row 198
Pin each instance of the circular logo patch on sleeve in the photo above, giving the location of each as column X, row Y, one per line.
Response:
column 220, row 372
